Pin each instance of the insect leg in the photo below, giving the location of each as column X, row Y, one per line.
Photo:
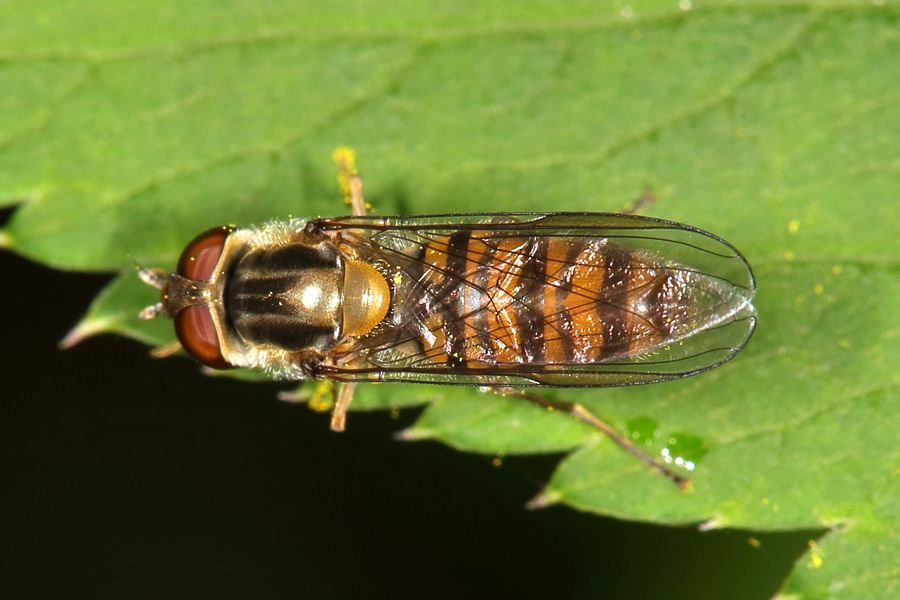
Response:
column 357, row 202
column 339, row 414
column 167, row 350
column 579, row 412
column 640, row 203
column 351, row 187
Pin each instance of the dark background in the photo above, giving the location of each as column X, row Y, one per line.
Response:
column 124, row 476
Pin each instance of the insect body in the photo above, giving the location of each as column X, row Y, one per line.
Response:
column 500, row 300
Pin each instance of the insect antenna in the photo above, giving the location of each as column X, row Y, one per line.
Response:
column 155, row 278
column 152, row 277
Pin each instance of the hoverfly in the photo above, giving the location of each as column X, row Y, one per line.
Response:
column 503, row 300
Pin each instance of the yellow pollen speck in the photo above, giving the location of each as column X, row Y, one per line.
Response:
column 844, row 343
column 321, row 399
column 344, row 155
column 788, row 255
column 793, row 226
column 497, row 462
column 765, row 500
column 819, row 288
column 346, row 161
column 836, row 269
column 815, row 555
column 754, row 542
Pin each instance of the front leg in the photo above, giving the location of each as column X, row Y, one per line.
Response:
column 341, row 404
column 351, row 187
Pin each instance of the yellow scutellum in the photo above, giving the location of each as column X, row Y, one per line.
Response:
column 322, row 398
column 346, row 161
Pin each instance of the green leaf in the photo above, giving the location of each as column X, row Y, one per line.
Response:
column 127, row 129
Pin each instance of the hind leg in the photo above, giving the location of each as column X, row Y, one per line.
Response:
column 581, row 413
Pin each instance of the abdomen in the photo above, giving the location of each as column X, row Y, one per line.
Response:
column 495, row 300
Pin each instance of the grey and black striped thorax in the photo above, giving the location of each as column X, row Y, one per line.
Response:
column 287, row 297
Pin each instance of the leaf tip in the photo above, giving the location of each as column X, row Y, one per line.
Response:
column 85, row 329
column 413, row 434
column 710, row 525
column 295, row 396
column 543, row 500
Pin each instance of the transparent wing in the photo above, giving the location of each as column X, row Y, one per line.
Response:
column 714, row 278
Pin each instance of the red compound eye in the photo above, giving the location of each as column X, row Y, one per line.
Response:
column 198, row 261
column 197, row 333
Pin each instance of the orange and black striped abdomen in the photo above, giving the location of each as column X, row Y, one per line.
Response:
column 489, row 299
